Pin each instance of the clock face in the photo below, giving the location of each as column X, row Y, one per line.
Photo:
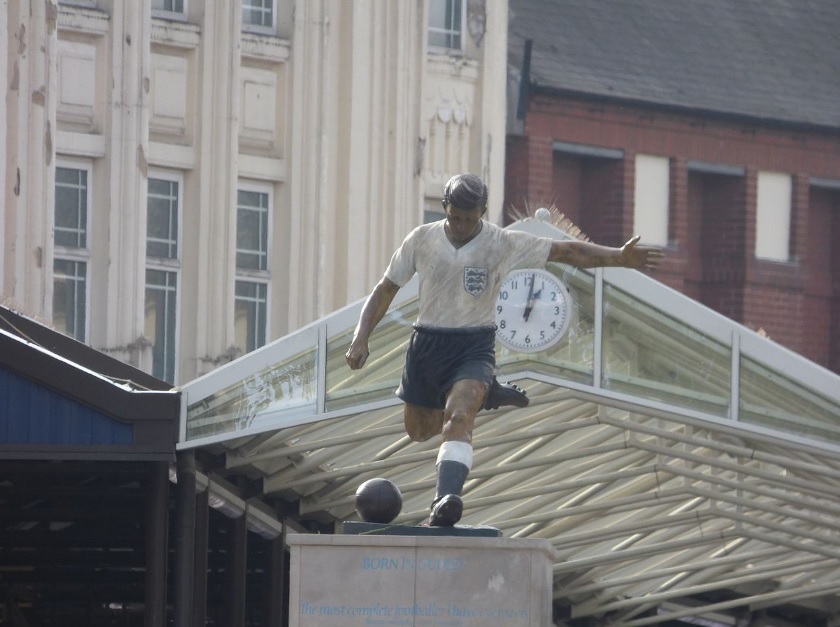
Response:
column 533, row 310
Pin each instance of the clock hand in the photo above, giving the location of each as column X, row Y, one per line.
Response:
column 530, row 307
column 532, row 298
column 529, row 304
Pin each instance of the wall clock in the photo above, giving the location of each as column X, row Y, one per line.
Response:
column 533, row 310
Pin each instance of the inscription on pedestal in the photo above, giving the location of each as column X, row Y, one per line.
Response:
column 351, row 581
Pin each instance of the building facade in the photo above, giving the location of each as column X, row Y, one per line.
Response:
column 186, row 180
column 732, row 242
column 706, row 129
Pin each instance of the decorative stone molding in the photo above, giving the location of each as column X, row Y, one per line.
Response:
column 262, row 168
column 88, row 145
column 166, row 155
column 265, row 48
column 448, row 112
column 81, row 20
column 452, row 89
column 177, row 34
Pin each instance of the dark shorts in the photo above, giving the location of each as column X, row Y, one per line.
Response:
column 438, row 357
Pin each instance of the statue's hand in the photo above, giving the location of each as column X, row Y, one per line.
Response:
column 357, row 354
column 635, row 256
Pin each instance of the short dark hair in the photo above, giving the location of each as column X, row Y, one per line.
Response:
column 465, row 191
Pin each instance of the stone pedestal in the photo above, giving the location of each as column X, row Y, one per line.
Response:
column 430, row 581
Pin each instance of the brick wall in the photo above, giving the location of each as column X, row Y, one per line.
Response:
column 712, row 214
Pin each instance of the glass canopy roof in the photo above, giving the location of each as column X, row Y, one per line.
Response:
column 673, row 457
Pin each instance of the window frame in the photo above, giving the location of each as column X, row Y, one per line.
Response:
column 82, row 166
column 176, row 339
column 250, row 275
column 168, row 264
column 268, row 190
column 170, row 177
column 237, row 299
column 168, row 14
column 86, row 326
column 260, row 29
column 74, row 254
column 448, row 32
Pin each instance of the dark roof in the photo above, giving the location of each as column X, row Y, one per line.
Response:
column 775, row 60
column 62, row 399
column 83, row 355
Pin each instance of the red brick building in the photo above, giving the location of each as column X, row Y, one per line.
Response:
column 712, row 128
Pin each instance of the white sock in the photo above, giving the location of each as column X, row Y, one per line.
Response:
column 455, row 451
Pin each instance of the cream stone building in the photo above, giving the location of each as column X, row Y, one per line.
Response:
column 186, row 180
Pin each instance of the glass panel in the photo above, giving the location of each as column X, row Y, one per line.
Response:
column 252, row 231
column 160, row 320
column 162, row 219
column 445, row 23
column 70, row 297
column 250, row 315
column 572, row 357
column 380, row 377
column 290, row 384
column 258, row 12
column 70, row 208
column 437, row 14
column 453, row 23
column 770, row 399
column 174, row 6
column 655, row 356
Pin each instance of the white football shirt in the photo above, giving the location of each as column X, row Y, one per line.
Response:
column 459, row 286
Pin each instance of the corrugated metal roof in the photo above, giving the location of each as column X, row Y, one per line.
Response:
column 679, row 463
column 33, row 414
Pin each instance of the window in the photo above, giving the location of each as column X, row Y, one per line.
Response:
column 169, row 6
column 650, row 216
column 163, row 217
column 259, row 13
column 160, row 321
column 252, row 230
column 772, row 227
column 584, row 177
column 71, row 208
column 445, row 24
column 71, row 253
column 252, row 238
column 70, row 297
column 250, row 312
